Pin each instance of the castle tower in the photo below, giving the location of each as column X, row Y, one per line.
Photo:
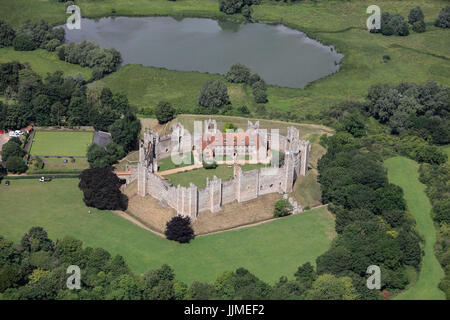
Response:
column 288, row 173
column 215, row 193
column 305, row 148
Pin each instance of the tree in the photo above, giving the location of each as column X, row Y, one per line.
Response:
column 213, row 95
column 36, row 240
column 353, row 125
column 443, row 20
column 306, row 274
column 125, row 131
column 260, row 96
column 16, row 164
column 329, row 287
column 164, row 112
column 12, row 149
column 282, row 208
column 22, row 42
column 231, row 6
column 97, row 157
column 7, row 34
column 238, row 73
column 200, row 291
column 415, row 15
column 419, row 26
column 101, row 189
column 179, row 229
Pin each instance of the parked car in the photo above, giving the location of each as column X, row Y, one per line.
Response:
column 44, row 179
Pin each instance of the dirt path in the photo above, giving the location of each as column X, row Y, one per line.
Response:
column 182, row 169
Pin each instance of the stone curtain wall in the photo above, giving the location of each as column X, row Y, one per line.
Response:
column 244, row 186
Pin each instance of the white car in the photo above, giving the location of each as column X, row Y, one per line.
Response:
column 13, row 134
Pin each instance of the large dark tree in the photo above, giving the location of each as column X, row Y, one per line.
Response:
column 179, row 229
column 101, row 189
column 12, row 149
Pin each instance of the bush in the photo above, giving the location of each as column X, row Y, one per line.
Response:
column 230, row 6
column 282, row 208
column 238, row 73
column 15, row 164
column 213, row 95
column 164, row 112
column 179, row 229
column 260, row 96
column 209, row 166
column 443, row 20
column 419, row 26
column 23, row 43
column 52, row 45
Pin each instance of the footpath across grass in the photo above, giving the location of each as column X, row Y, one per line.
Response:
column 269, row 250
column 49, row 143
column 403, row 172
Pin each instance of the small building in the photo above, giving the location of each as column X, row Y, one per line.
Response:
column 102, row 138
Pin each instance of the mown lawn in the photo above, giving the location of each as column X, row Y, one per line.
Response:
column 43, row 62
column 269, row 250
column 403, row 172
column 198, row 176
column 167, row 163
column 47, row 143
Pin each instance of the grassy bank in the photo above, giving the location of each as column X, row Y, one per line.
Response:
column 270, row 250
column 403, row 172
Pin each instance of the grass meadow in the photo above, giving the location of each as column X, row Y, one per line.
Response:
column 403, row 172
column 269, row 250
column 198, row 176
column 49, row 143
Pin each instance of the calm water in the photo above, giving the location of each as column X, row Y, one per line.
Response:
column 280, row 55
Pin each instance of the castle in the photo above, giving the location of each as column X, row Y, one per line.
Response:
column 208, row 144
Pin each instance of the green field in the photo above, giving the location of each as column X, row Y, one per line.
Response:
column 49, row 143
column 43, row 62
column 198, row 176
column 338, row 23
column 403, row 172
column 269, row 250
column 167, row 163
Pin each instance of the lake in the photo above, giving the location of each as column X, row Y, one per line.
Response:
column 280, row 55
